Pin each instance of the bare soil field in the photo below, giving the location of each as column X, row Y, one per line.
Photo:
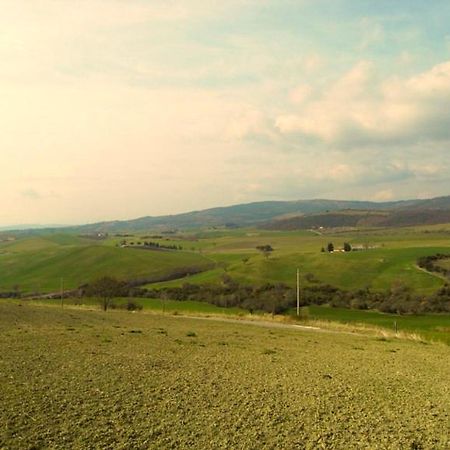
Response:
column 87, row 379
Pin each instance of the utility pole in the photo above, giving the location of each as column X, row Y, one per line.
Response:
column 298, row 291
column 62, row 292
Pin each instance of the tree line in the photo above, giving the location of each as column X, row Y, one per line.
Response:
column 429, row 263
column 276, row 298
column 151, row 244
column 330, row 247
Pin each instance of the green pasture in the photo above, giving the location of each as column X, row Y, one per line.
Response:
column 390, row 258
column 431, row 326
column 378, row 268
column 148, row 304
column 37, row 264
column 208, row 277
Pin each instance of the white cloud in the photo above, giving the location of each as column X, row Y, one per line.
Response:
column 179, row 105
column 359, row 109
column 340, row 172
column 247, row 123
column 300, row 93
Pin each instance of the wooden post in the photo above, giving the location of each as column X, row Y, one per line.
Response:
column 298, row 292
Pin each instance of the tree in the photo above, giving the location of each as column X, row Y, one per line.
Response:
column 106, row 288
column 330, row 247
column 266, row 250
column 16, row 289
column 347, row 247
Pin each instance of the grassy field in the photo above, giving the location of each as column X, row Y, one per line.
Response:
column 391, row 257
column 148, row 304
column 88, row 379
column 430, row 326
column 36, row 263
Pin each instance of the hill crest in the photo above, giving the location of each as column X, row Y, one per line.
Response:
column 401, row 213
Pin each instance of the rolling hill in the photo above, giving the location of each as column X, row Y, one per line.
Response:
column 410, row 212
column 359, row 218
column 38, row 263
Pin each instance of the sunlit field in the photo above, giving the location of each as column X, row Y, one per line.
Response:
column 88, row 379
column 37, row 263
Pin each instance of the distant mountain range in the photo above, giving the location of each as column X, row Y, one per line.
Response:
column 289, row 215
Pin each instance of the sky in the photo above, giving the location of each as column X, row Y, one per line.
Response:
column 116, row 109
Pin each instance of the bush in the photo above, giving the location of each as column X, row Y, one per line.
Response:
column 132, row 305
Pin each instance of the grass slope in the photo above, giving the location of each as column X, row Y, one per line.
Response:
column 86, row 379
column 148, row 304
column 391, row 257
column 376, row 268
column 429, row 326
column 38, row 263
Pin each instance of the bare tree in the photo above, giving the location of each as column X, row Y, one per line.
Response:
column 105, row 288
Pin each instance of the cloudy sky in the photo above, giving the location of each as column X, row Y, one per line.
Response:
column 113, row 109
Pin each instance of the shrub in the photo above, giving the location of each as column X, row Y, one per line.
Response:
column 132, row 305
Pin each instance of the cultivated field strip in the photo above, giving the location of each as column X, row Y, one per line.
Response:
column 87, row 379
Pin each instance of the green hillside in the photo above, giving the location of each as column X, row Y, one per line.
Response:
column 390, row 258
column 38, row 263
column 377, row 269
